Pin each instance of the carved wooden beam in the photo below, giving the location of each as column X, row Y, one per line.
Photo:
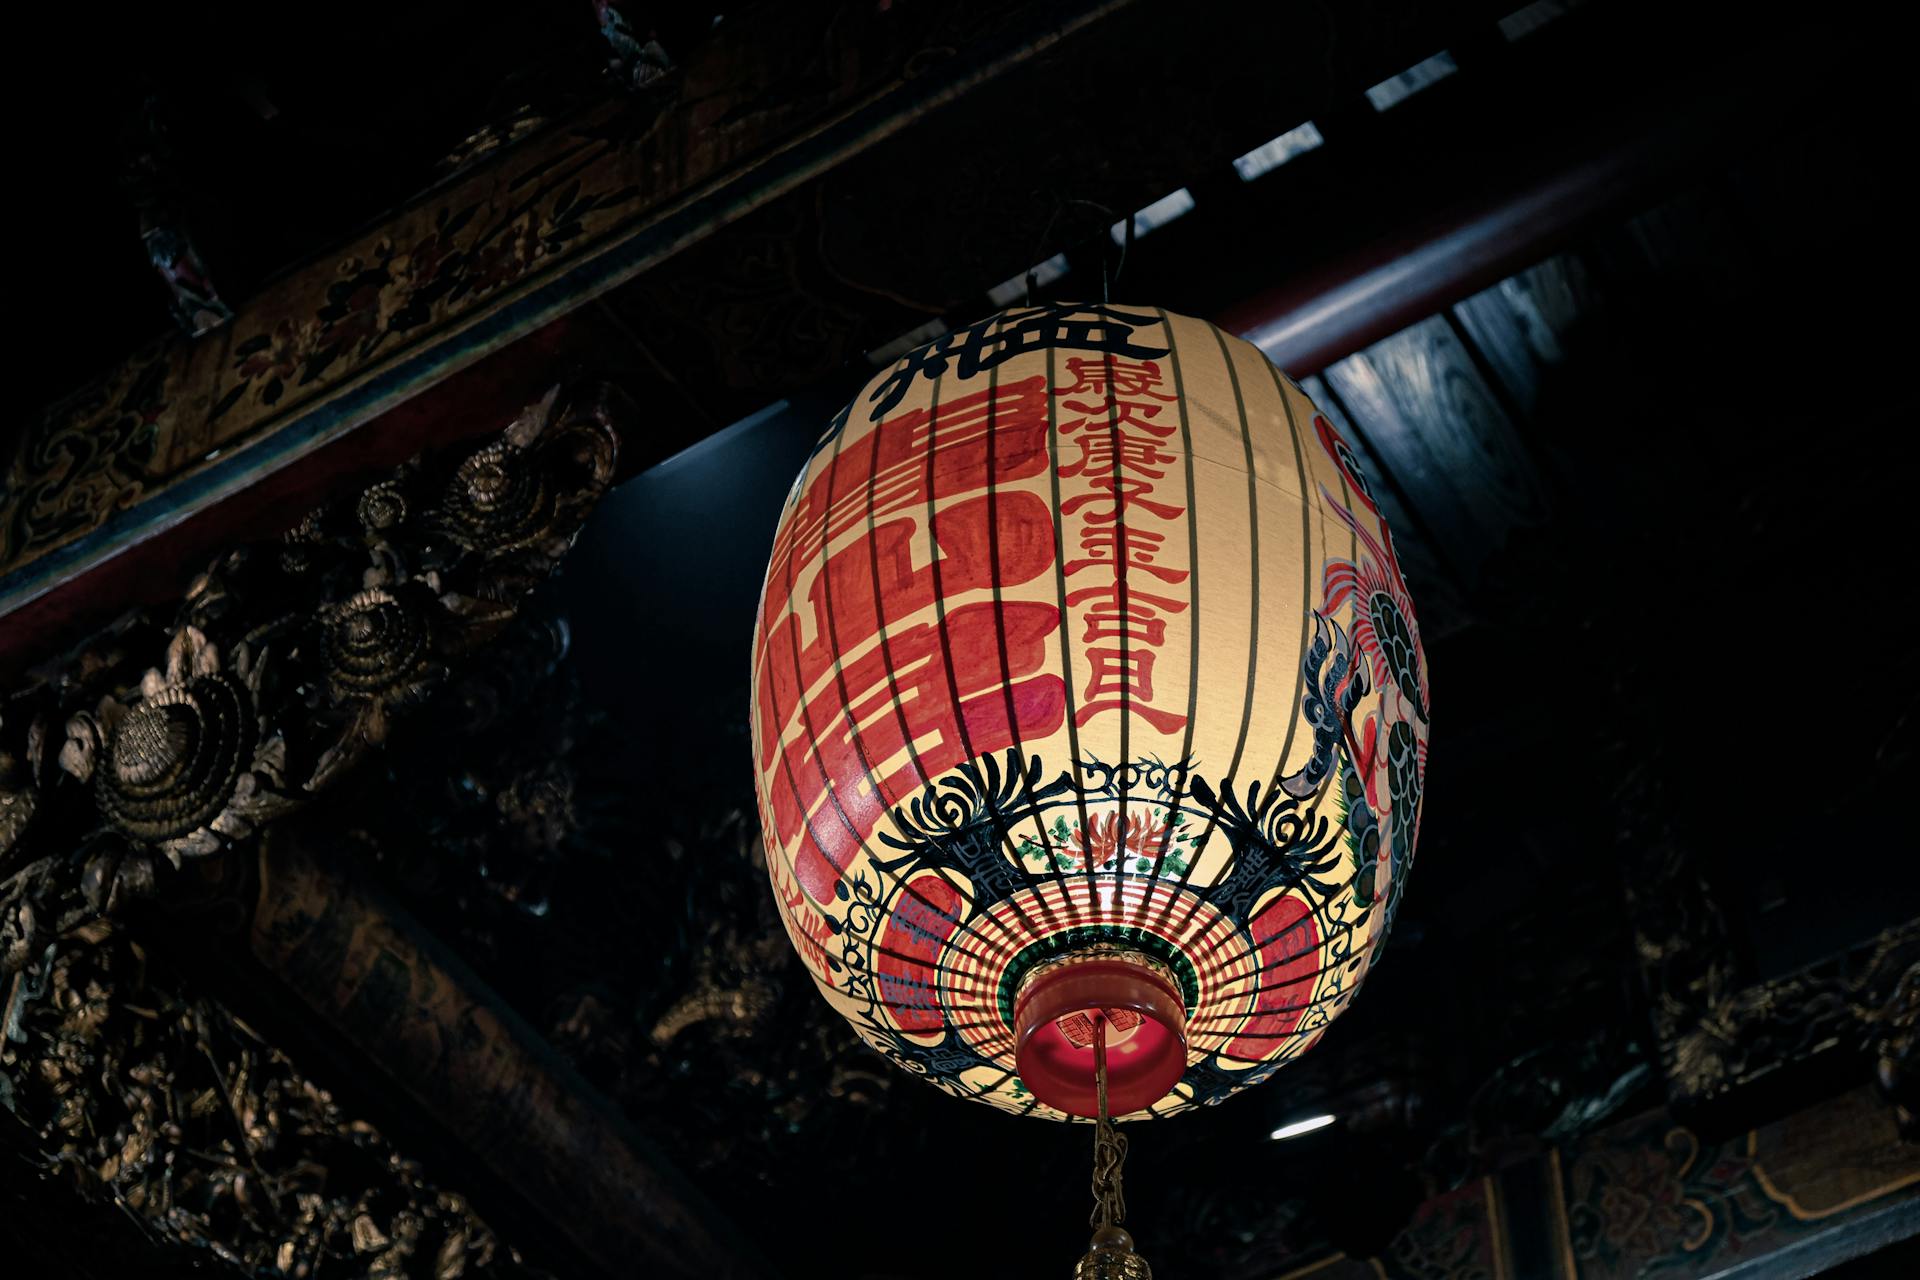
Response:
column 142, row 775
column 432, row 1028
column 728, row 169
column 511, row 245
column 1653, row 1196
column 1898, row 1052
column 136, row 1093
column 1720, row 1033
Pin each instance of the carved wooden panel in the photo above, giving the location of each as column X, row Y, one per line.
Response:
column 450, row 276
column 1651, row 1197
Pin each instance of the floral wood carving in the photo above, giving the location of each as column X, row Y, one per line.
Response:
column 279, row 670
column 211, row 1138
column 1716, row 1031
column 569, row 174
column 1899, row 1048
column 1770, row 1025
column 140, row 767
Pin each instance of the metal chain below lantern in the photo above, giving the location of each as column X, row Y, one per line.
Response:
column 1110, row 1255
column 1089, row 705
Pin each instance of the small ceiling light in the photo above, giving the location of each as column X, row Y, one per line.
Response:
column 1298, row 1127
column 1397, row 89
column 1022, row 286
column 1273, row 153
column 1524, row 22
column 1158, row 214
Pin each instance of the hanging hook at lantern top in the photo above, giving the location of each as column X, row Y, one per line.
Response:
column 1107, row 281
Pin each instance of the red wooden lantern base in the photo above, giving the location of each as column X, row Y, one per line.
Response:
column 1146, row 1031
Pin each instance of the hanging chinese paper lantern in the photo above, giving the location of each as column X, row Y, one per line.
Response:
column 1089, row 714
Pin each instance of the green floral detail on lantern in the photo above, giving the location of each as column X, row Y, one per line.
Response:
column 1148, row 840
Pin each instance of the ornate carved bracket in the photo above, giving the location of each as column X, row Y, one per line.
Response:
column 1898, row 1045
column 1718, row 1032
column 142, row 766
column 210, row 1137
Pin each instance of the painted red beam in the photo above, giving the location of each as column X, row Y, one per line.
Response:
column 1522, row 191
column 1515, row 211
column 153, row 566
column 577, row 209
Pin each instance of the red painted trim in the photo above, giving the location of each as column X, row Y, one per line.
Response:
column 479, row 400
column 1140, row 1071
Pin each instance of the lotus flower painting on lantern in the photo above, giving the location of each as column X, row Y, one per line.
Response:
column 1086, row 681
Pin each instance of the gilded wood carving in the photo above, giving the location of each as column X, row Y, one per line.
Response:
column 135, row 774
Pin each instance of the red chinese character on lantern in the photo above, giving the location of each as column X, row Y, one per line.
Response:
column 1110, row 377
column 1122, row 548
column 1108, row 452
column 1117, row 415
column 1122, row 680
column 1117, row 612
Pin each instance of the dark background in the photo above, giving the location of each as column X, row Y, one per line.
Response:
column 1657, row 497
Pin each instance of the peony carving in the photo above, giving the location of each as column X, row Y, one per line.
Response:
column 494, row 503
column 377, row 648
column 365, row 606
column 382, row 507
column 378, row 643
column 532, row 488
column 186, row 767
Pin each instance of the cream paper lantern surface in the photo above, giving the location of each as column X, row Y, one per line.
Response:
column 1086, row 682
